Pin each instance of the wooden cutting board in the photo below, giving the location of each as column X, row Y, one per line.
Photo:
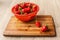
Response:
column 16, row 27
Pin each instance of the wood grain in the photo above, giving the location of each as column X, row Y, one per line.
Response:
column 16, row 27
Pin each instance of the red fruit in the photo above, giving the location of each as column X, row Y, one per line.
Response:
column 22, row 5
column 27, row 4
column 44, row 28
column 25, row 13
column 20, row 8
column 34, row 8
column 23, row 10
column 17, row 12
column 37, row 24
column 15, row 9
column 26, row 10
column 16, row 6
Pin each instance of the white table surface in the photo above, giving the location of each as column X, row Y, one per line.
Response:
column 47, row 7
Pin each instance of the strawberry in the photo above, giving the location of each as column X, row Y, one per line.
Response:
column 16, row 6
column 17, row 12
column 15, row 9
column 37, row 24
column 44, row 28
column 22, row 5
column 26, row 10
column 23, row 10
column 27, row 5
column 34, row 8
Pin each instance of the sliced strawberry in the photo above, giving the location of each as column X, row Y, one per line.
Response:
column 38, row 24
column 44, row 28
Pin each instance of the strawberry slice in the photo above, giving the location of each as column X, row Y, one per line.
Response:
column 44, row 28
column 37, row 24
